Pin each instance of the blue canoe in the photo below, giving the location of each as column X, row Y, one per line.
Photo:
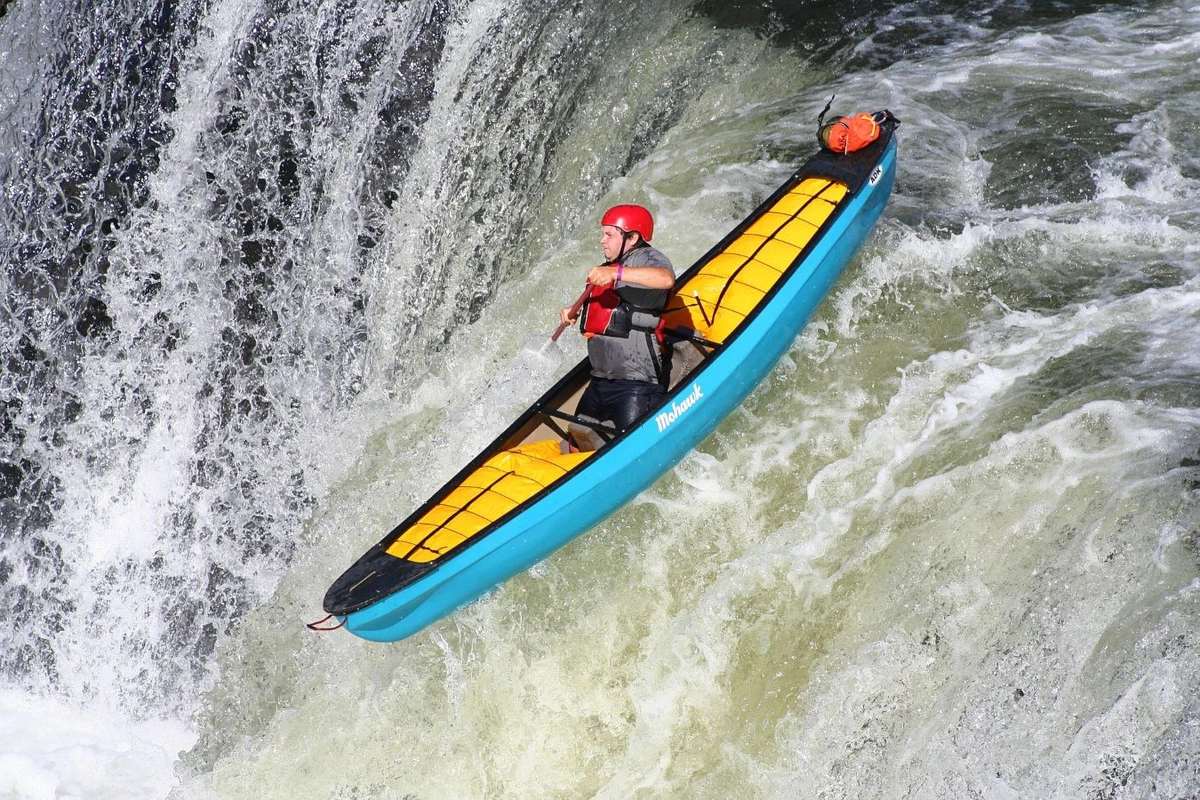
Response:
column 732, row 316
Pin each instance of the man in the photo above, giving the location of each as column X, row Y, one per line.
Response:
column 621, row 319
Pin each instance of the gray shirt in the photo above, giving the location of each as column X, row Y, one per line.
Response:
column 636, row 357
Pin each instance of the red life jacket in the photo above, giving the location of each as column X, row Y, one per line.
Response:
column 605, row 313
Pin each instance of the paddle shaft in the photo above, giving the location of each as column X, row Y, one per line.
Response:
column 574, row 312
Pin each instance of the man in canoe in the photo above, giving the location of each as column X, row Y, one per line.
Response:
column 622, row 319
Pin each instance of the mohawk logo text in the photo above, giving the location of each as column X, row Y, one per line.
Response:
column 678, row 407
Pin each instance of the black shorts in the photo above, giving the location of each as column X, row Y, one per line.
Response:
column 621, row 402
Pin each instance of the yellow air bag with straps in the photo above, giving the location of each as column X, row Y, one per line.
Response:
column 716, row 300
column 505, row 480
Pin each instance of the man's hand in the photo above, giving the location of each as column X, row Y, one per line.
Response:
column 602, row 276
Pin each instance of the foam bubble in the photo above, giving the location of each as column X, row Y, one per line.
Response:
column 57, row 750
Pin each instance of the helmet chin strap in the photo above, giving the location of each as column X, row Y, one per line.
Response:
column 625, row 237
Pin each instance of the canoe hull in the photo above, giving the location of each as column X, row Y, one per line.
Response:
column 632, row 463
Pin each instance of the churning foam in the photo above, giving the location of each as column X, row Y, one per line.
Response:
column 54, row 750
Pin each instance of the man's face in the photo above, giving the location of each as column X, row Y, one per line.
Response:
column 611, row 239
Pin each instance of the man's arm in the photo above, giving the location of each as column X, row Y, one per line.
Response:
column 648, row 277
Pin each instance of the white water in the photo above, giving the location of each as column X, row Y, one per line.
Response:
column 53, row 749
column 948, row 549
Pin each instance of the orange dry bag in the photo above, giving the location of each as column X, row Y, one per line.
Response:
column 849, row 134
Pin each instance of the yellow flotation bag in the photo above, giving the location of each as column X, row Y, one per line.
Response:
column 505, row 480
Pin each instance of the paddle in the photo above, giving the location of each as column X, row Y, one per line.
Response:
column 562, row 326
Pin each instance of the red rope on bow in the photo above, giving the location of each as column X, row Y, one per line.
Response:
column 320, row 625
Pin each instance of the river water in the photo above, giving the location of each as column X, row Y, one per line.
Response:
column 274, row 270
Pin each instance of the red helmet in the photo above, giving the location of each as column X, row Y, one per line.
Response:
column 630, row 218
